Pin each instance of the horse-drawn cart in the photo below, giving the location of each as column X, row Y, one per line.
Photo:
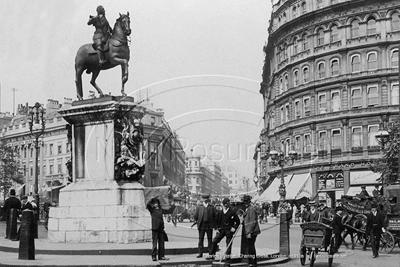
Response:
column 316, row 237
column 389, row 206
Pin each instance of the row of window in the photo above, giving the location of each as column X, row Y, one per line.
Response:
column 333, row 139
column 326, row 102
column 332, row 68
column 322, row 36
column 49, row 150
column 47, row 171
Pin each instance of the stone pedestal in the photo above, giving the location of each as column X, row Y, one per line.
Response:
column 95, row 207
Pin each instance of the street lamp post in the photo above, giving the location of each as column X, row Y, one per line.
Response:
column 37, row 126
column 279, row 159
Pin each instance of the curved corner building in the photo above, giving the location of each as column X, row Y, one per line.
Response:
column 330, row 80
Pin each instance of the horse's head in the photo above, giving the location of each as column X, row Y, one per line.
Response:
column 125, row 23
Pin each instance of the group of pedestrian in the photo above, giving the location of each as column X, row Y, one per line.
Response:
column 226, row 221
column 20, row 205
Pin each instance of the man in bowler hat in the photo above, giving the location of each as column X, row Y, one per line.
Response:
column 374, row 228
column 227, row 222
column 337, row 228
column 251, row 229
column 204, row 217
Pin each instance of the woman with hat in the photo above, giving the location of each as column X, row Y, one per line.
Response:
column 374, row 228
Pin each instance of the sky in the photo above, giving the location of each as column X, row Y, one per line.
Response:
column 199, row 60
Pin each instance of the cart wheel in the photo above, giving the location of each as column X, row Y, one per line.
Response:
column 312, row 258
column 303, row 255
column 387, row 242
column 168, row 218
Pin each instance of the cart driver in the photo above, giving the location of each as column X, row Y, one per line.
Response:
column 313, row 215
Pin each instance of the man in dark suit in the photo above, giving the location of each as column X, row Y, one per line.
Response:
column 251, row 229
column 226, row 222
column 204, row 217
column 11, row 203
column 375, row 223
column 157, row 227
column 337, row 228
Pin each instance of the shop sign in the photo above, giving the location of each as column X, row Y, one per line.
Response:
column 339, row 182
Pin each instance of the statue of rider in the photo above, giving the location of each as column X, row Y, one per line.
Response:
column 102, row 33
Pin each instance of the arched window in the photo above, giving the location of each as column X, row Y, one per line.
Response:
column 295, row 46
column 281, row 89
column 305, row 42
column 335, row 101
column 334, row 34
column 284, row 17
column 355, row 26
column 357, row 134
column 372, row 61
column 321, row 70
column 320, row 37
column 394, row 59
column 394, row 94
column 304, row 7
column 306, row 75
column 296, row 77
column 294, row 12
column 336, row 139
column 371, row 27
column 372, row 131
column 355, row 63
column 356, row 98
column 272, row 120
column 395, row 23
column 286, row 83
column 335, row 67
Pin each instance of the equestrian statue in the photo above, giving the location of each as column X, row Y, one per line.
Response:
column 109, row 49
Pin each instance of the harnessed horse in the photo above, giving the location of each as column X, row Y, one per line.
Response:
column 116, row 54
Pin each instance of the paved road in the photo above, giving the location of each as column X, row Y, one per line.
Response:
column 269, row 238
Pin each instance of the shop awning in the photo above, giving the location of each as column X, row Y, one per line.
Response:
column 271, row 193
column 299, row 186
column 363, row 177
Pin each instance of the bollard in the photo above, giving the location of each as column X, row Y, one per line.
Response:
column 12, row 224
column 27, row 241
column 284, row 240
column 35, row 230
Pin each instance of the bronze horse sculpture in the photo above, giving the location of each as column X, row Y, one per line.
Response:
column 116, row 54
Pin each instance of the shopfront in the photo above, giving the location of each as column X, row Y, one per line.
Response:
column 330, row 187
column 359, row 178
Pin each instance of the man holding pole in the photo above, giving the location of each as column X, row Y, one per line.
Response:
column 227, row 222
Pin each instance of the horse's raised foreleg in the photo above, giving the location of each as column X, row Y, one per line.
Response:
column 95, row 73
column 78, row 82
column 124, row 78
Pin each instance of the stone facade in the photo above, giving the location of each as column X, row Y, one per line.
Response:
column 330, row 80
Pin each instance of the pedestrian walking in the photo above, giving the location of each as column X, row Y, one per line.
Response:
column 294, row 213
column 204, row 218
column 303, row 213
column 46, row 208
column 374, row 229
column 157, row 227
column 251, row 229
column 337, row 228
column 11, row 203
column 226, row 223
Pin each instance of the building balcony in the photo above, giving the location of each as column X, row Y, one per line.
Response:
column 331, row 116
column 357, row 150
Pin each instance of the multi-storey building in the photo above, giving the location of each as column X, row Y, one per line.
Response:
column 205, row 177
column 165, row 156
column 330, row 79
column 235, row 181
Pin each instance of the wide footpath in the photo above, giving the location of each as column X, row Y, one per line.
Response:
column 181, row 251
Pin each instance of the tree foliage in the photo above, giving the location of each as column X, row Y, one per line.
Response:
column 9, row 166
column 389, row 164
